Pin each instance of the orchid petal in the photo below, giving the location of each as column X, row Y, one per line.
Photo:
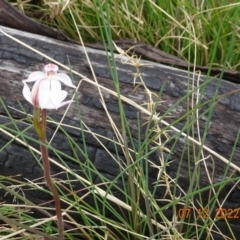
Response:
column 64, row 78
column 50, row 106
column 33, row 77
column 55, row 92
column 26, row 92
column 35, row 93
column 44, row 93
column 65, row 103
column 63, row 95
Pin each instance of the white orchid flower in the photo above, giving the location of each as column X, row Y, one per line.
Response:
column 46, row 92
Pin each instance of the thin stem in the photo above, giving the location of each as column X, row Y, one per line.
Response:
column 47, row 175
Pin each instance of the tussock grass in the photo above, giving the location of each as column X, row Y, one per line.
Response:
column 187, row 29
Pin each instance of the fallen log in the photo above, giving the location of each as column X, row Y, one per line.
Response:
column 17, row 61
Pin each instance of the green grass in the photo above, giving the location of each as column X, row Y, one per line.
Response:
column 175, row 26
column 191, row 32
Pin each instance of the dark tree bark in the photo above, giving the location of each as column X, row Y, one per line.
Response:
column 16, row 62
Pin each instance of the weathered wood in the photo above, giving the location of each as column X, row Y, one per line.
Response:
column 16, row 62
column 11, row 17
column 151, row 53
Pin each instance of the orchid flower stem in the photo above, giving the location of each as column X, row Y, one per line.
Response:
column 40, row 128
